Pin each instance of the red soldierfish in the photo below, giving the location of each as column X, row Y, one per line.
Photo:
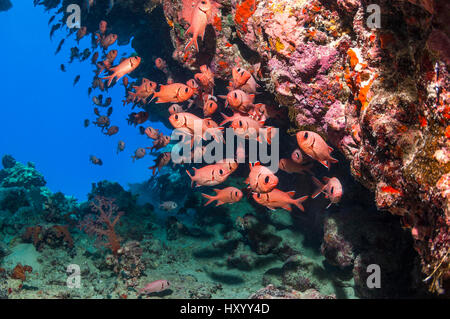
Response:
column 200, row 17
column 289, row 166
column 279, row 199
column 151, row 132
column 209, row 108
column 209, row 175
column 243, row 79
column 125, row 67
column 313, row 145
column 155, row 286
column 205, row 77
column 261, row 179
column 332, row 189
column 173, row 93
column 239, row 101
column 162, row 160
column 224, row 196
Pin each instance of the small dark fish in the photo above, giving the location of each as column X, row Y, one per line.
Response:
column 85, row 55
column 96, row 111
column 74, row 53
column 54, row 28
column 110, row 110
column 107, row 102
column 112, row 130
column 63, row 67
column 86, row 123
column 120, row 146
column 95, row 160
column 77, row 78
column 59, row 46
column 89, row 91
column 51, row 19
column 94, row 58
column 98, row 100
column 142, row 130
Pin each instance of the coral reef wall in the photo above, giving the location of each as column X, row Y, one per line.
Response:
column 380, row 95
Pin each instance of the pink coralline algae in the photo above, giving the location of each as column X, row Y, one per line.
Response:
column 358, row 87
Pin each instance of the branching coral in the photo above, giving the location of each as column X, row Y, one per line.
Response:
column 102, row 226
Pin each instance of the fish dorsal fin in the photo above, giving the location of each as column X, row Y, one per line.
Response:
column 291, row 193
column 326, row 179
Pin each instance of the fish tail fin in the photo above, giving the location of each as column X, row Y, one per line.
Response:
column 210, row 199
column 298, row 202
column 326, row 164
column 110, row 78
column 192, row 180
column 319, row 187
column 226, row 119
column 333, row 160
column 193, row 41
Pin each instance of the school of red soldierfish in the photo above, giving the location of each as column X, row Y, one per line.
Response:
column 247, row 121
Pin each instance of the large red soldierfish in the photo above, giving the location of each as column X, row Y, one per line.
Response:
column 209, row 175
column 229, row 164
column 313, row 145
column 125, row 67
column 173, row 93
column 200, row 17
column 155, row 286
column 239, row 101
column 244, row 80
column 224, row 196
column 279, row 199
column 261, row 178
column 289, row 166
column 332, row 189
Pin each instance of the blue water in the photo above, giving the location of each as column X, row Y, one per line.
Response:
column 42, row 113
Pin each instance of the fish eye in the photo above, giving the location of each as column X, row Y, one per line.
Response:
column 235, row 95
column 236, row 194
column 305, row 135
column 259, row 195
column 220, row 172
column 266, row 180
column 186, row 90
column 332, row 189
column 176, row 117
column 240, row 123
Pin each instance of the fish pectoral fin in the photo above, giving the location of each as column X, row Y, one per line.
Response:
column 325, row 163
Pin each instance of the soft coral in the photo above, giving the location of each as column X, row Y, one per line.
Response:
column 102, row 226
